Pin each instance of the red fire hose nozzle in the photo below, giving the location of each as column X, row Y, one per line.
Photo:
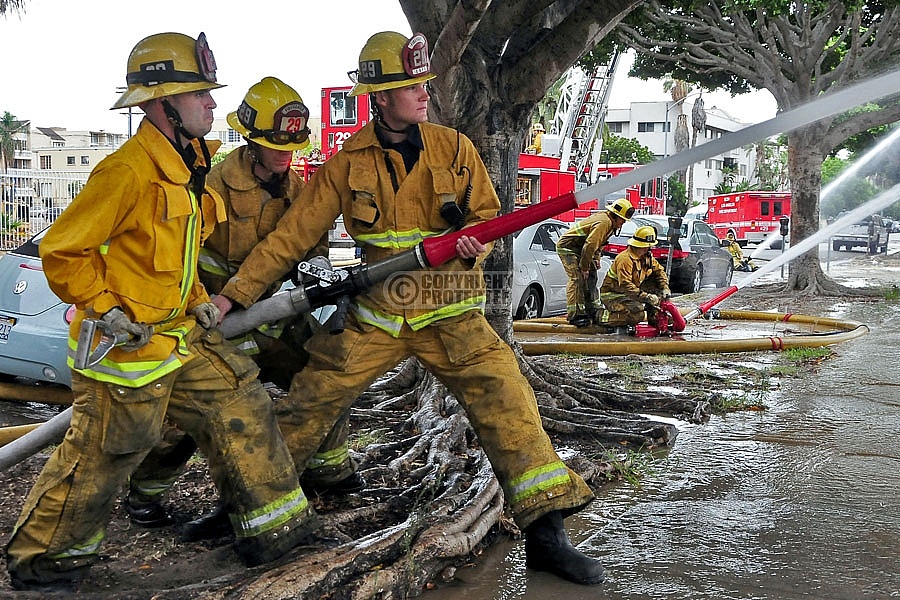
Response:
column 703, row 308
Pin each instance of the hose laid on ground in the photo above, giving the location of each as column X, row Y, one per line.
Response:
column 38, row 436
column 846, row 330
column 50, row 432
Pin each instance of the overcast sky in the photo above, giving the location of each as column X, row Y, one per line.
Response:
column 63, row 59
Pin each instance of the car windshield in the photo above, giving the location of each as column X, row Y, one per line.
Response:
column 660, row 225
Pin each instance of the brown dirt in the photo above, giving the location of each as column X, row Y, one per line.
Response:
column 139, row 563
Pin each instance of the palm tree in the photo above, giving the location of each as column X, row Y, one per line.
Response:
column 8, row 6
column 9, row 126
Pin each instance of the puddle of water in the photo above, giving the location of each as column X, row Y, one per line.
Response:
column 795, row 502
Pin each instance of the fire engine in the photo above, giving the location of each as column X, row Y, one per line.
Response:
column 579, row 118
column 577, row 145
column 751, row 216
column 342, row 116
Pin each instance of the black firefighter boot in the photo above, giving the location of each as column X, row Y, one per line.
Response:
column 547, row 548
column 210, row 526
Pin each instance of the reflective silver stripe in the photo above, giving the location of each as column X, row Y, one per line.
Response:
column 391, row 324
column 537, row 480
column 271, row 515
column 89, row 547
column 212, row 262
column 451, row 310
column 396, row 239
column 332, row 458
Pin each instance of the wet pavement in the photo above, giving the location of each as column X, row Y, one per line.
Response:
column 797, row 501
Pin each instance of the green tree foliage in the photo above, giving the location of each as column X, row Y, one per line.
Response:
column 797, row 50
column 676, row 199
column 9, row 127
column 849, row 194
column 625, row 150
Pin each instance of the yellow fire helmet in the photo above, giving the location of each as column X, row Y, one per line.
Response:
column 272, row 115
column 166, row 64
column 537, row 127
column 390, row 60
column 643, row 237
column 621, row 208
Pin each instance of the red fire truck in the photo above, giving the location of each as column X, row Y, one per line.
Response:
column 751, row 216
column 342, row 116
column 540, row 179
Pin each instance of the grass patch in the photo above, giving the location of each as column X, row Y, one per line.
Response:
column 725, row 404
column 359, row 441
column 805, row 354
column 630, row 465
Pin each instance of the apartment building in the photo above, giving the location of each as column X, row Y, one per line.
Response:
column 652, row 124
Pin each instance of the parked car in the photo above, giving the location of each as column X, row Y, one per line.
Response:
column 871, row 233
column 34, row 322
column 697, row 261
column 539, row 280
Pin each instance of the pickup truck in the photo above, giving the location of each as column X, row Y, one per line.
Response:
column 871, row 233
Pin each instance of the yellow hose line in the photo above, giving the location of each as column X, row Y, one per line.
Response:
column 14, row 432
column 847, row 330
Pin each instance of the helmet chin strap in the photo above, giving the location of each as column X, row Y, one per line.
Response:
column 186, row 150
column 379, row 118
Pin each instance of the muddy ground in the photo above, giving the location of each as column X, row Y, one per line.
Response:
column 137, row 563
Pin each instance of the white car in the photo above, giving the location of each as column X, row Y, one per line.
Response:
column 539, row 280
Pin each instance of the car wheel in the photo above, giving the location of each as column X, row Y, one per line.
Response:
column 531, row 306
column 729, row 273
column 696, row 280
column 835, row 246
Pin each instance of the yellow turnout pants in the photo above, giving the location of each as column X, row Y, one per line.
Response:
column 215, row 398
column 466, row 354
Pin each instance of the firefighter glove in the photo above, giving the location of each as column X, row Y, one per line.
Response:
column 118, row 323
column 652, row 300
column 666, row 293
column 207, row 315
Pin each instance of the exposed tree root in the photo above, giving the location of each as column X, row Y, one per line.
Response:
column 432, row 497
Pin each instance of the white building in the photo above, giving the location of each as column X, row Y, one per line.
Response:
column 652, row 124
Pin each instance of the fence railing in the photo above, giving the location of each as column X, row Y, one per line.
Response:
column 32, row 199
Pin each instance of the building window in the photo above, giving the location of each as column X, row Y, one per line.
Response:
column 342, row 109
column 70, row 160
column 233, row 137
column 47, row 162
column 59, row 143
column 645, row 127
column 615, row 127
column 85, row 160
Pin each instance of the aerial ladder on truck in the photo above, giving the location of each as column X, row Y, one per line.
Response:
column 579, row 118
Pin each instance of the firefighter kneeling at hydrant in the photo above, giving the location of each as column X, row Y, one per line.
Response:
column 634, row 285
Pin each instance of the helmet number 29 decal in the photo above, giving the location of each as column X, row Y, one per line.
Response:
column 415, row 56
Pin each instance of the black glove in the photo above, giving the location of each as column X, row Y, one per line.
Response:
column 119, row 323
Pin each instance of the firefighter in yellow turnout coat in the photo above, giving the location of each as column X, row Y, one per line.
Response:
column 257, row 185
column 579, row 251
column 635, row 283
column 397, row 181
column 125, row 252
